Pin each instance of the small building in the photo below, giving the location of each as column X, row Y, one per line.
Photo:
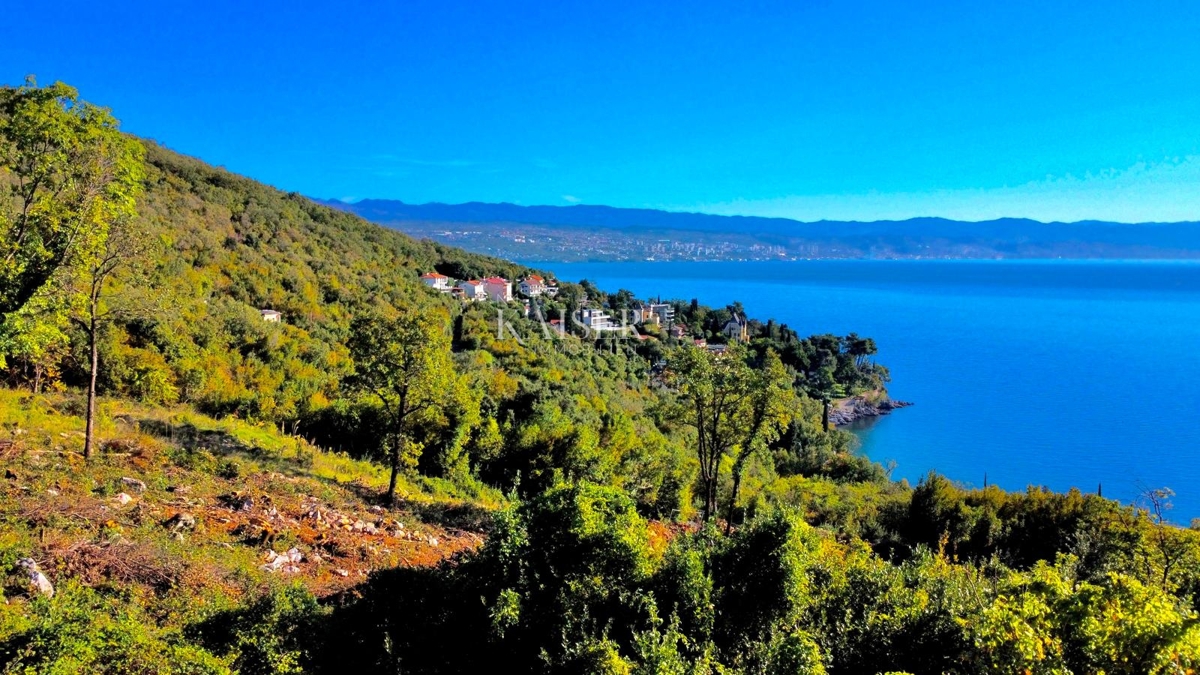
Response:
column 498, row 289
column 473, row 290
column 532, row 286
column 551, row 289
column 737, row 328
column 270, row 315
column 717, row 349
column 679, row 331
column 438, row 282
column 700, row 342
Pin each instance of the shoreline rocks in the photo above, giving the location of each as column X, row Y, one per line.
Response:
column 849, row 410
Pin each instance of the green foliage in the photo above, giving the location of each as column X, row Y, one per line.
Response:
column 275, row 635
column 67, row 174
column 81, row 630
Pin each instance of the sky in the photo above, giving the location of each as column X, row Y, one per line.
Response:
column 807, row 109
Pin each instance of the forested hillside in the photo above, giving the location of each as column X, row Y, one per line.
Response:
column 389, row 479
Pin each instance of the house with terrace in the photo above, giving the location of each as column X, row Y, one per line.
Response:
column 532, row 286
column 473, row 290
column 498, row 289
column 438, row 282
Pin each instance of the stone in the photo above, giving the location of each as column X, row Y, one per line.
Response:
column 123, row 499
column 133, row 483
column 181, row 521
column 39, row 580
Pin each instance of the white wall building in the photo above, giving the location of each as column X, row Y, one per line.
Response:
column 436, row 281
column 532, row 286
column 473, row 290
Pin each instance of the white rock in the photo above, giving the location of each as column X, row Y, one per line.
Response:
column 39, row 580
column 134, row 483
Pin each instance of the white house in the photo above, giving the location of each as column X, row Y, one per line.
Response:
column 439, row 282
column 532, row 285
column 270, row 315
column 498, row 289
column 473, row 290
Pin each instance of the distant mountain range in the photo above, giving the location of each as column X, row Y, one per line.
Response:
column 605, row 233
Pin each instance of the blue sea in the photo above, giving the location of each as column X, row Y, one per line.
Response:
column 1063, row 374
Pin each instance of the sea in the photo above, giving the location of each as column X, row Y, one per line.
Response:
column 1061, row 374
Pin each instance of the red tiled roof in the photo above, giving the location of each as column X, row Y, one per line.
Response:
column 434, row 275
column 495, row 280
column 534, row 277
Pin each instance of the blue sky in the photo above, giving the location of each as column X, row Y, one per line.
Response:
column 1052, row 110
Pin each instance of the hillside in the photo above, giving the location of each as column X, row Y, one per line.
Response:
column 568, row 500
column 603, row 233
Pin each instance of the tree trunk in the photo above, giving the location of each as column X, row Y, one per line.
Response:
column 391, row 493
column 737, row 484
column 710, row 497
column 90, row 435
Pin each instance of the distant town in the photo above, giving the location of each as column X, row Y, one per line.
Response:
column 532, row 242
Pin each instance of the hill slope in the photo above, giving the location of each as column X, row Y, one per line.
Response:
column 164, row 549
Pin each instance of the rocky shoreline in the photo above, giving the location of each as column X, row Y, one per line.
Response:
column 848, row 410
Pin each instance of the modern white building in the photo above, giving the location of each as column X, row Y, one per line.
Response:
column 270, row 315
column 597, row 320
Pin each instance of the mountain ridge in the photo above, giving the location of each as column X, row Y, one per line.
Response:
column 613, row 233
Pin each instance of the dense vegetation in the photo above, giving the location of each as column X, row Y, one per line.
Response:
column 646, row 505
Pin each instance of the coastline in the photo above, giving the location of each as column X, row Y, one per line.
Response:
column 847, row 410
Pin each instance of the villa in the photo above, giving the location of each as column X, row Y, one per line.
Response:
column 498, row 289
column 438, row 282
column 597, row 320
column 473, row 290
column 532, row 286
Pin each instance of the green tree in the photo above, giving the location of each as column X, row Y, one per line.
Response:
column 126, row 246
column 714, row 396
column 404, row 361
column 770, row 407
column 68, row 174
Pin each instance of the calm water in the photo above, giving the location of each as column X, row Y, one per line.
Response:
column 1049, row 373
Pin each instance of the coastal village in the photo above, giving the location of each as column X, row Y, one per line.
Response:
column 595, row 321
